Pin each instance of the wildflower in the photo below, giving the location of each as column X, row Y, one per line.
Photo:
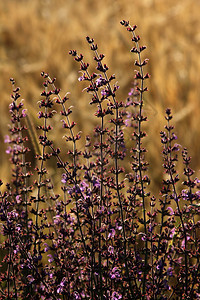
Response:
column 24, row 113
column 115, row 273
column 170, row 271
column 51, row 259
column 172, row 233
column 18, row 199
column 76, row 296
column 116, row 296
column 111, row 233
column 111, row 250
column 9, row 150
column 30, row 279
column 171, row 210
column 7, row 139
column 61, row 286
column 65, row 178
column 95, row 182
column 183, row 241
column 81, row 78
column 46, row 248
column 56, row 219
column 160, row 265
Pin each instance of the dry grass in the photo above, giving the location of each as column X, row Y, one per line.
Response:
column 37, row 35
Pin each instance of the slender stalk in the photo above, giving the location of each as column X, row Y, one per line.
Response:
column 40, row 176
column 116, row 163
column 23, row 160
column 74, row 177
column 33, row 266
column 175, row 196
column 71, row 177
column 101, row 179
column 141, row 103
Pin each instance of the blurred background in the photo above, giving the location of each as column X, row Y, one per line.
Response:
column 37, row 35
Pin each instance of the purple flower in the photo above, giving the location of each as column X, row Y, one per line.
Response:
column 40, row 114
column 171, row 210
column 118, row 226
column 116, row 296
column 42, row 286
column 131, row 93
column 95, row 182
column 83, row 77
column 12, row 215
column 103, row 93
column 150, row 228
column 9, row 150
column 127, row 122
column 111, row 250
column 18, row 227
column 18, row 199
column 7, row 139
column 56, row 219
column 30, row 278
column 46, row 248
column 116, row 87
column 170, row 271
column 115, row 273
column 69, row 219
column 12, row 106
column 111, row 233
column 83, row 185
column 50, row 258
column 143, row 238
column 160, row 265
column 185, row 194
column 24, row 113
column 197, row 194
column 77, row 296
column 175, row 138
column 166, row 285
column 16, row 250
column 183, row 241
column 99, row 81
column 64, row 178
column 61, row 286
column 172, row 233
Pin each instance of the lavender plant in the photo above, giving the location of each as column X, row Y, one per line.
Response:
column 105, row 236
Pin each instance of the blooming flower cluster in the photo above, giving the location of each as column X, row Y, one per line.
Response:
column 104, row 236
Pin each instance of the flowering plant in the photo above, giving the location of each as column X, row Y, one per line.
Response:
column 105, row 236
